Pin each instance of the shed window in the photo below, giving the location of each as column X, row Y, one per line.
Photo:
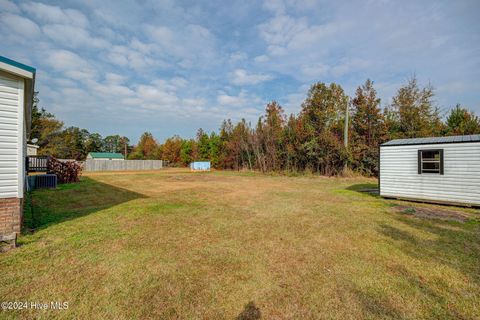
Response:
column 430, row 161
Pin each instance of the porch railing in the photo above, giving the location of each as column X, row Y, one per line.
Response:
column 36, row 163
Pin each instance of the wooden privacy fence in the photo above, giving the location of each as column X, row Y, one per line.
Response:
column 121, row 165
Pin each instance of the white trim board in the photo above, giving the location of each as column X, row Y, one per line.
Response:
column 16, row 71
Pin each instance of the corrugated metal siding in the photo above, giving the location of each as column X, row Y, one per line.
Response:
column 10, row 99
column 460, row 182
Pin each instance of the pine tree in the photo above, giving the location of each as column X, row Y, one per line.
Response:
column 414, row 114
column 460, row 121
column 368, row 129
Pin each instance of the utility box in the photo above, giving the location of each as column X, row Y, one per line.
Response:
column 42, row 181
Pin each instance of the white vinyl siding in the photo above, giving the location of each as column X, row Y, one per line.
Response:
column 11, row 136
column 460, row 182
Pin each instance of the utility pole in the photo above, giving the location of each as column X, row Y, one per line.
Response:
column 345, row 132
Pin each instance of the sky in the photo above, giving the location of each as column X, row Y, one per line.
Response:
column 171, row 67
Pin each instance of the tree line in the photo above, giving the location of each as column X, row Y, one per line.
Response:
column 70, row 142
column 310, row 141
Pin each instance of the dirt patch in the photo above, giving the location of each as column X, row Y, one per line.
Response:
column 433, row 213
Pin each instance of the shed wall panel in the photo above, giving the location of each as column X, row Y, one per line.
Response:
column 460, row 182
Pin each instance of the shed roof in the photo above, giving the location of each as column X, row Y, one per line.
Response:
column 433, row 140
column 106, row 155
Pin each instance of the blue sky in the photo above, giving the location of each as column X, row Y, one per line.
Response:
column 170, row 67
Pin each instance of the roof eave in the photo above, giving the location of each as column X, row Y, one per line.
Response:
column 425, row 143
column 17, row 68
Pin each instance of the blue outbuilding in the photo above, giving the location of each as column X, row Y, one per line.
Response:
column 200, row 166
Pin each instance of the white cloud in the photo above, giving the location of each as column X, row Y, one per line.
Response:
column 241, row 77
column 293, row 101
column 115, row 78
column 8, row 6
column 279, row 31
column 109, row 90
column 192, row 45
column 156, row 95
column 112, row 56
column 72, row 36
column 280, row 6
column 14, row 24
column 284, row 34
column 261, row 58
column 238, row 56
column 350, row 65
column 315, row 70
column 54, row 14
column 243, row 99
column 64, row 60
column 71, row 65
column 127, row 56
column 343, row 67
column 179, row 82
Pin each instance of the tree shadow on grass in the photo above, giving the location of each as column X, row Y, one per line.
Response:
column 46, row 207
column 455, row 245
column 450, row 244
column 376, row 304
column 365, row 188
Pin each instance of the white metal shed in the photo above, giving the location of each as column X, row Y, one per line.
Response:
column 443, row 169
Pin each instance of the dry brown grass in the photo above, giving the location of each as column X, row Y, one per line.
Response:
column 176, row 244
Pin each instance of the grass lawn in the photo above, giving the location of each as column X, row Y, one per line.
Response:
column 221, row 245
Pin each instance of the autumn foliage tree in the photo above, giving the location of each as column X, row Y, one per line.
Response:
column 322, row 118
column 461, row 121
column 171, row 150
column 311, row 140
column 412, row 113
column 147, row 148
column 369, row 130
column 271, row 136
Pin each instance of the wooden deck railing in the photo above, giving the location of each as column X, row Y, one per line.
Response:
column 36, row 163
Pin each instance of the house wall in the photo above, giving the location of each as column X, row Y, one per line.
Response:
column 12, row 153
column 10, row 219
column 460, row 182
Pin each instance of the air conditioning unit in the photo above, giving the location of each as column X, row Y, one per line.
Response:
column 45, row 181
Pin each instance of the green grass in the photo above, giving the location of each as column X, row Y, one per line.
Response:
column 220, row 245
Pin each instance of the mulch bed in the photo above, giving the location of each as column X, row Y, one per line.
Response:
column 433, row 213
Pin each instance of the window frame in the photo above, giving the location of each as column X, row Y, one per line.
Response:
column 420, row 161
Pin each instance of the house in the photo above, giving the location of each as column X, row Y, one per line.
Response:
column 444, row 170
column 200, row 166
column 105, row 156
column 16, row 97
